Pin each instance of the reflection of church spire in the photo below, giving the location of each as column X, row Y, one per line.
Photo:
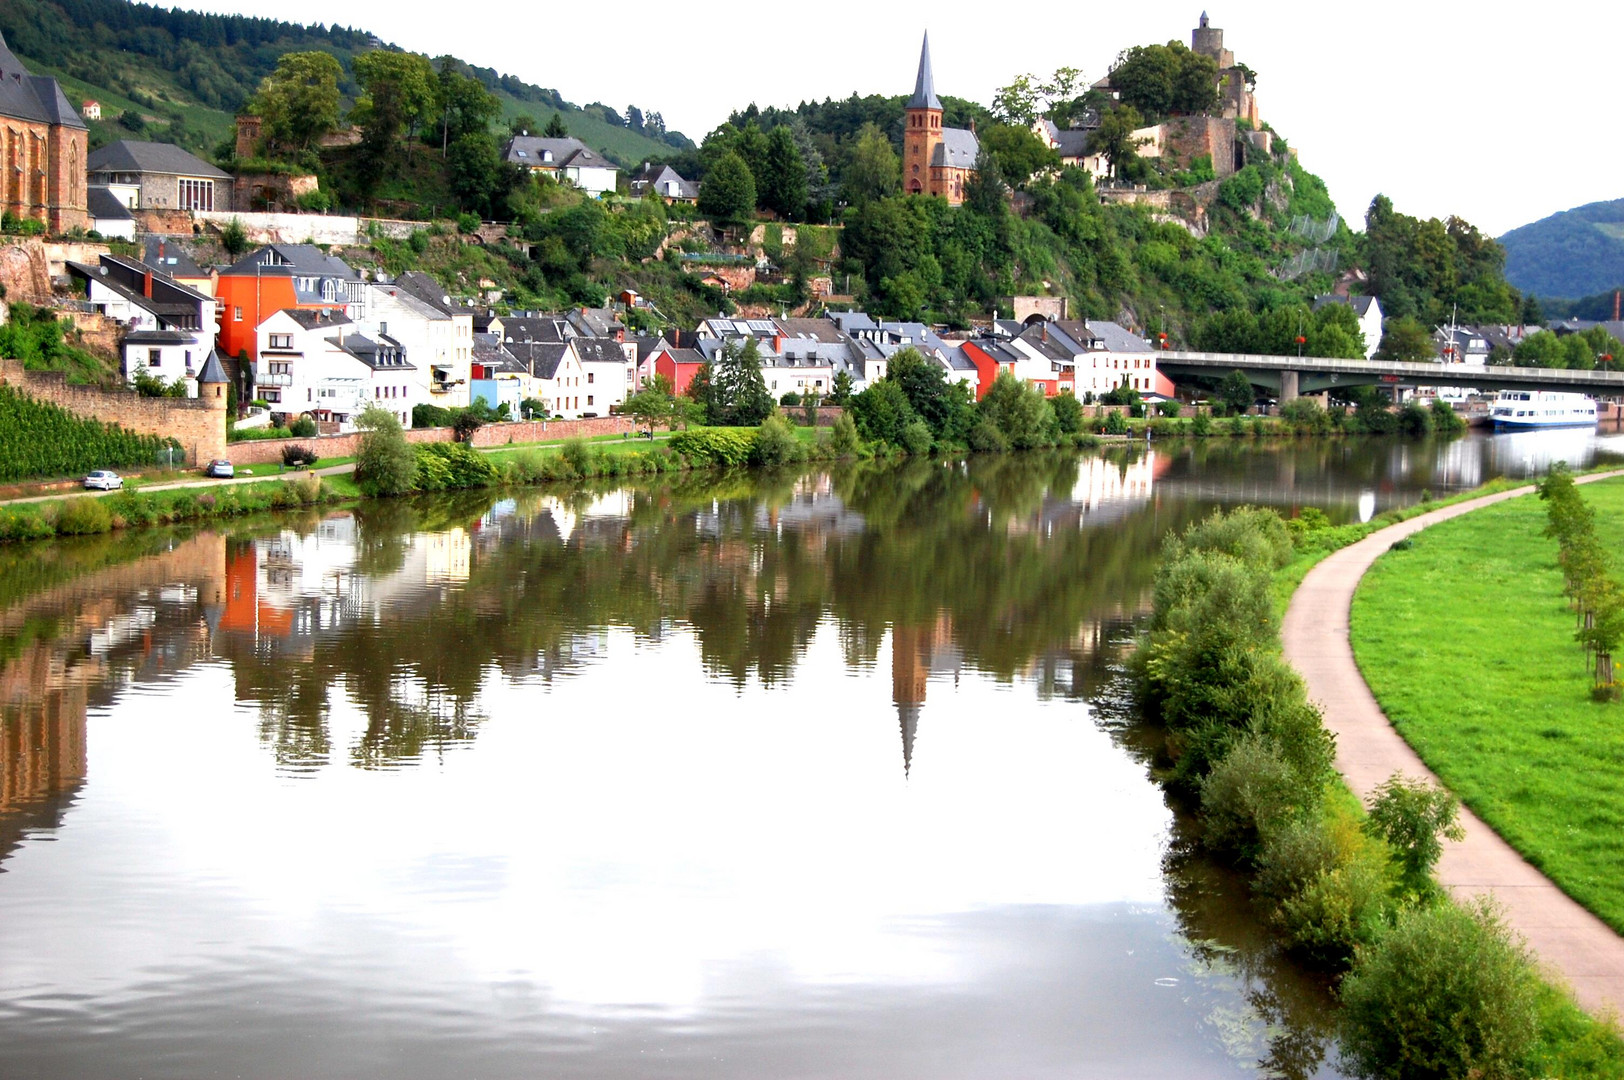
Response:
column 908, row 715
column 908, row 673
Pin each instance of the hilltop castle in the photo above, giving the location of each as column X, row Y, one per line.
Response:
column 936, row 160
column 42, row 149
column 1235, row 98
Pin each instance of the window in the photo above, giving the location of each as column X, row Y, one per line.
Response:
column 591, row 376
column 238, row 316
column 196, row 194
column 281, row 341
column 155, row 357
column 383, row 328
column 589, row 399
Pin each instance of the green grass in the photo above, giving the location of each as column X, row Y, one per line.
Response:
column 1467, row 642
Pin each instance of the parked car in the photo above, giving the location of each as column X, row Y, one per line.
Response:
column 220, row 469
column 104, row 480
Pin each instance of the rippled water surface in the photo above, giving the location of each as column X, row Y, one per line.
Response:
column 815, row 775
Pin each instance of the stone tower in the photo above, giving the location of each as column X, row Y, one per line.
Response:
column 212, row 382
column 1208, row 40
column 924, row 128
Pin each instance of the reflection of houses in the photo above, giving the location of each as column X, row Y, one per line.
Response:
column 1116, row 487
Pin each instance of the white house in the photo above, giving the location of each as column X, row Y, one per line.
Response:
column 319, row 362
column 566, row 160
column 1369, row 312
column 610, row 368
column 169, row 327
column 439, row 343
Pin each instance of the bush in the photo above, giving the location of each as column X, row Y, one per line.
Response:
column 715, row 446
column 303, row 428
column 843, row 438
column 1341, row 909
column 298, row 457
column 1305, row 417
column 1414, row 419
column 790, row 399
column 1169, row 408
column 1446, row 993
column 1249, row 795
column 1068, row 413
column 84, row 516
column 1201, row 424
column 1412, row 816
column 385, row 464
column 775, row 444
column 916, row 437
column 451, row 467
column 1116, row 424
column 578, row 454
column 985, row 438
column 1445, row 420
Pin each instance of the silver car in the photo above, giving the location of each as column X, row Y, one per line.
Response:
column 104, row 480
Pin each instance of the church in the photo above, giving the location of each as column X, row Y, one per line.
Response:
column 936, row 160
column 42, row 149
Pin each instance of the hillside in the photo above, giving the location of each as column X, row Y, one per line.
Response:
column 1575, row 253
column 185, row 74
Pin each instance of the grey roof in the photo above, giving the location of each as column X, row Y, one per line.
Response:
column 551, row 329
column 924, row 95
column 1073, row 143
column 105, row 206
column 488, row 351
column 133, row 155
column 312, row 318
column 665, row 179
column 1360, row 304
column 170, row 257
column 531, row 151
column 957, row 360
column 428, row 290
column 595, row 322
column 32, row 97
column 853, row 320
column 1041, row 337
column 213, row 371
column 540, row 358
column 599, row 351
column 1116, row 338
column 159, row 337
column 958, row 149
column 310, row 259
column 386, row 353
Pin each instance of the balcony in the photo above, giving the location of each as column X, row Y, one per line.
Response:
column 264, row 376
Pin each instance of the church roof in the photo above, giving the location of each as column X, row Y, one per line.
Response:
column 924, row 95
column 32, row 97
column 958, row 149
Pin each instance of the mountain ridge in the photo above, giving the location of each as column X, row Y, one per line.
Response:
column 1570, row 254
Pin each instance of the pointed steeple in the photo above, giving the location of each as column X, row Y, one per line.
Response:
column 924, row 95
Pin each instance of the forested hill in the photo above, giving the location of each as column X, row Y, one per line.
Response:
column 180, row 76
column 1572, row 254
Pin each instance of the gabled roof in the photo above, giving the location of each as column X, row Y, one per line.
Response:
column 551, row 329
column 385, row 354
column 924, row 95
column 532, row 151
column 170, row 257
column 1071, row 143
column 32, row 97
column 428, row 290
column 1117, row 338
column 541, row 359
column 598, row 350
column 105, row 206
column 1360, row 304
column 825, row 330
column 308, row 259
column 595, row 322
column 958, row 149
column 315, row 318
column 133, row 155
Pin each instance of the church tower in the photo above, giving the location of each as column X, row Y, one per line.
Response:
column 924, row 130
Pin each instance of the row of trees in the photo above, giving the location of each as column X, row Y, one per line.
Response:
column 1588, row 575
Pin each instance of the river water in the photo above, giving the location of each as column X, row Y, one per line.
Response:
column 829, row 774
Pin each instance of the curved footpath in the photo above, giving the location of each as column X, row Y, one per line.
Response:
column 1567, row 939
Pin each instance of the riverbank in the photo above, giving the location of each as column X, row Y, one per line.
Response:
column 1348, row 892
column 1467, row 643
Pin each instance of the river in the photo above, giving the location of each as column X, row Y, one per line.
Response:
column 827, row 774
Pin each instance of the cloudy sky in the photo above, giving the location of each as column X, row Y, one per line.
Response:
column 1493, row 112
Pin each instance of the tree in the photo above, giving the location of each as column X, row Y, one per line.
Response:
column 298, row 102
column 478, row 176
column 634, row 119
column 1413, row 817
column 840, row 390
column 462, row 104
column 872, row 172
column 556, row 128
column 729, row 191
column 1236, row 392
column 1159, row 80
column 384, row 463
column 782, row 183
column 1020, row 154
column 399, row 96
column 1017, row 103
column 740, row 396
column 234, row 238
column 1114, row 137
column 1019, row 412
column 882, row 412
column 1404, row 339
column 945, row 407
column 654, row 404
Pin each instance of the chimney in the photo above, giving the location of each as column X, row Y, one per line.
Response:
column 146, row 284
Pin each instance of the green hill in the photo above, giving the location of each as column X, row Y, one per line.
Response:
column 1573, row 254
column 180, row 76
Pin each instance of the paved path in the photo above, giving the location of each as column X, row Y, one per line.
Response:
column 200, row 481
column 1579, row 947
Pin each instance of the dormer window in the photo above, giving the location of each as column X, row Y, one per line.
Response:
column 546, row 155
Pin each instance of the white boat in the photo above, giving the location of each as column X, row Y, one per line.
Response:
column 1521, row 410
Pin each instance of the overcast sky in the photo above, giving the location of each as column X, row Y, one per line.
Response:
column 1497, row 113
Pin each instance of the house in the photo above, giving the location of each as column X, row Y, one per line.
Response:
column 1368, row 309
column 610, row 368
column 437, row 333
column 159, row 176
column 665, row 183
column 90, row 110
column 677, row 364
column 44, row 144
column 277, row 277
column 596, row 322
column 565, row 160
column 108, row 216
column 496, row 376
column 169, row 328
column 165, row 254
column 317, row 362
column 936, row 160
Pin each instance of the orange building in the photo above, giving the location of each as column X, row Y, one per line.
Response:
column 936, row 160
column 248, row 293
column 43, row 149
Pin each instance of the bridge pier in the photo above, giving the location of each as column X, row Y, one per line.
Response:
column 1288, row 386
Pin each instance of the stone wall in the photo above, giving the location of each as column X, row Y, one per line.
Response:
column 269, row 451
column 98, row 333
column 198, row 424
column 164, row 222
column 1050, row 307
column 251, row 190
column 25, row 273
column 303, row 228
column 1188, row 137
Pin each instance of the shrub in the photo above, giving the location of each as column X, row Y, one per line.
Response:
column 1412, row 816
column 303, row 428
column 1116, row 424
column 1201, row 424
column 451, row 466
column 298, row 457
column 1169, row 408
column 1445, row 420
column 916, row 438
column 83, row 516
column 790, row 399
column 1252, row 793
column 1414, row 419
column 1068, row 413
column 775, row 443
column 1249, row 533
column 579, row 455
column 715, row 446
column 843, row 438
column 1342, row 908
column 1305, row 417
column 1446, row 993
column 384, row 464
column 985, row 438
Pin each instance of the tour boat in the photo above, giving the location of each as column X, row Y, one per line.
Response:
column 1520, row 410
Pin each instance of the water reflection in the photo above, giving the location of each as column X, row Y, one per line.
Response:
column 800, row 774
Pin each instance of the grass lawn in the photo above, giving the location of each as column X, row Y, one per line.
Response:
column 1467, row 642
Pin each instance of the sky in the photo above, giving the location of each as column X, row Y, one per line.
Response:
column 1482, row 111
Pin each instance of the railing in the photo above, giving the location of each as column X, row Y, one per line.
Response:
column 265, row 377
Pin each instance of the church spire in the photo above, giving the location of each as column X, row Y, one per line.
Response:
column 924, row 95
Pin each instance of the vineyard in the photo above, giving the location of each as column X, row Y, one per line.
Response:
column 41, row 440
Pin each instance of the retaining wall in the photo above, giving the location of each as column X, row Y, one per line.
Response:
column 198, row 424
column 269, row 451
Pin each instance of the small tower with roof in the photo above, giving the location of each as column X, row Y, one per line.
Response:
column 924, row 129
column 212, row 384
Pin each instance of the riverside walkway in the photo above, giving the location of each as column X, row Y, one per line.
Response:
column 1570, row 941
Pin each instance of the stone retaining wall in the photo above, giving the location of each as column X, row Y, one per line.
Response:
column 269, row 451
column 198, row 424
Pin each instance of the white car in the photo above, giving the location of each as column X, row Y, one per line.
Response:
column 104, row 480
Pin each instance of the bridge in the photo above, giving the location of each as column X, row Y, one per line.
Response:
column 1294, row 375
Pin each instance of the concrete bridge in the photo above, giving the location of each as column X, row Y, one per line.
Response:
column 1294, row 375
